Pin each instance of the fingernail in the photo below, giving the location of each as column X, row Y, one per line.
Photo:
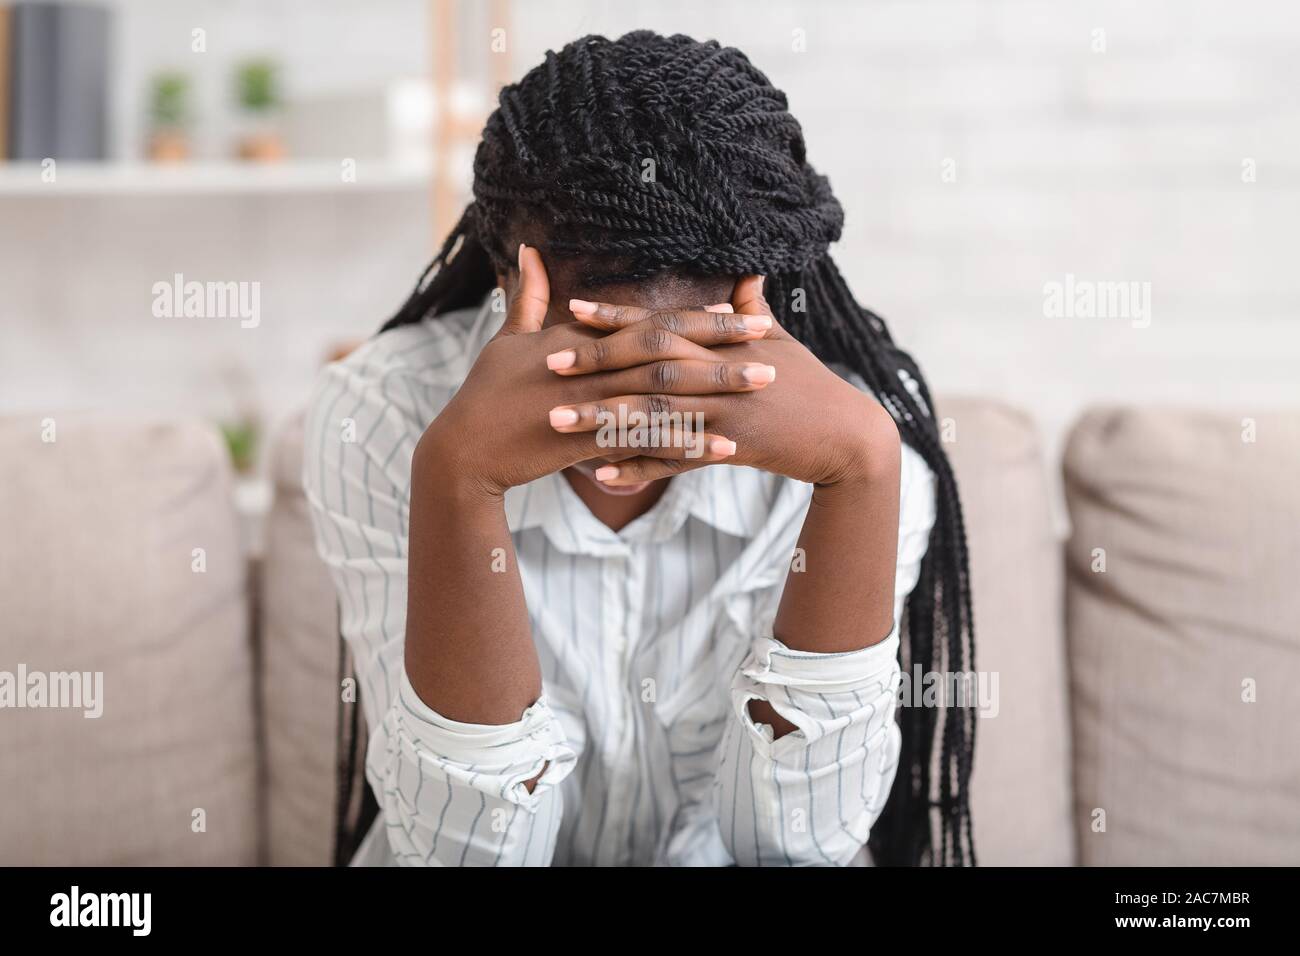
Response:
column 520, row 258
column 606, row 472
column 559, row 360
column 758, row 374
column 757, row 323
column 762, row 281
column 720, row 307
column 722, row 446
column 582, row 307
column 563, row 416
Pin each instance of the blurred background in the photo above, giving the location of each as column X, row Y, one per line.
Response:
column 981, row 148
column 988, row 153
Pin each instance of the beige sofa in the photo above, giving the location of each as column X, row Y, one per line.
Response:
column 1146, row 669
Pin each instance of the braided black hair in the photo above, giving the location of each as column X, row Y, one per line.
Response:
column 652, row 154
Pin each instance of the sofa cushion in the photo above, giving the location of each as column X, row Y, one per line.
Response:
column 1020, row 799
column 1184, row 622
column 300, row 678
column 101, row 572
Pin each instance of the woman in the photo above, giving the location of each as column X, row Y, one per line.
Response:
column 580, row 642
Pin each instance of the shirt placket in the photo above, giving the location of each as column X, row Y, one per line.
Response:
column 620, row 626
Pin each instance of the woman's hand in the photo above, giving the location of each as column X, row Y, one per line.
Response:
column 802, row 420
column 497, row 431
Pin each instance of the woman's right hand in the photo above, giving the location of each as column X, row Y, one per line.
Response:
column 496, row 432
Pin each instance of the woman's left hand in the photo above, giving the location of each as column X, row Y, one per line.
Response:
column 801, row 420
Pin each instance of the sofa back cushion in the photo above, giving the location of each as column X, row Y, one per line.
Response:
column 300, row 678
column 1184, row 623
column 1020, row 801
column 120, row 558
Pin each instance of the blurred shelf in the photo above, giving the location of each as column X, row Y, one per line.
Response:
column 211, row 178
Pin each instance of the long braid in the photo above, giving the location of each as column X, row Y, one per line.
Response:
column 650, row 154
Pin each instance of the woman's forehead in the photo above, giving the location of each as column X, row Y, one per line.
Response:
column 665, row 291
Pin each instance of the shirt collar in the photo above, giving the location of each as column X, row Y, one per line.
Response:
column 734, row 500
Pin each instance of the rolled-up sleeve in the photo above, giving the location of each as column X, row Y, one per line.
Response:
column 450, row 793
column 810, row 797
column 455, row 794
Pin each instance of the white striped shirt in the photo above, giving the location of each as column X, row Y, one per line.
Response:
column 651, row 639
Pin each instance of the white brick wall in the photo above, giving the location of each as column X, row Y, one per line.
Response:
column 1123, row 165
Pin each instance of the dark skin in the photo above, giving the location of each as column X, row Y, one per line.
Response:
column 528, row 408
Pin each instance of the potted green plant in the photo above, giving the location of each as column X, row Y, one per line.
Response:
column 257, row 85
column 241, row 441
column 169, row 116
